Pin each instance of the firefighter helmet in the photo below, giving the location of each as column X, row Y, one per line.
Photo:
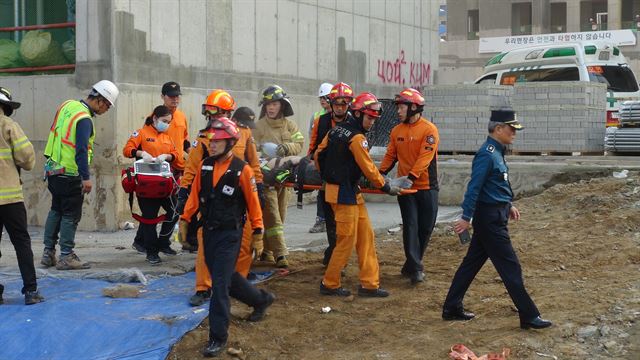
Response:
column 341, row 90
column 367, row 103
column 218, row 100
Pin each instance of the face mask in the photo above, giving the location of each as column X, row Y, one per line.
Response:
column 162, row 126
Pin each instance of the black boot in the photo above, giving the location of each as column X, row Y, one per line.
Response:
column 32, row 297
column 260, row 310
column 214, row 348
column 1, row 291
column 200, row 297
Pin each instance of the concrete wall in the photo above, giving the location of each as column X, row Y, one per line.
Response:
column 239, row 45
column 558, row 117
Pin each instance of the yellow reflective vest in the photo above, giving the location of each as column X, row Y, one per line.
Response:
column 16, row 152
column 61, row 144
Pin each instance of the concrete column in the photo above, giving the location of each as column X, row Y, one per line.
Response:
column 614, row 16
column 573, row 16
column 540, row 17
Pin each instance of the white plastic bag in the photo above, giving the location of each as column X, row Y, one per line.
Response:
column 269, row 149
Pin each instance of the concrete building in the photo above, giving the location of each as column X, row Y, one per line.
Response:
column 240, row 45
column 470, row 20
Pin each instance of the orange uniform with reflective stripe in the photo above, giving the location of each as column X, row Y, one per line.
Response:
column 150, row 140
column 415, row 148
column 179, row 133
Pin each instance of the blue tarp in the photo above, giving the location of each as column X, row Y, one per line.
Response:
column 77, row 322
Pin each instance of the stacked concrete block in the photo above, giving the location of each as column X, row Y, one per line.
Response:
column 558, row 116
column 461, row 113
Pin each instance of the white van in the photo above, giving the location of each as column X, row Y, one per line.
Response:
column 592, row 61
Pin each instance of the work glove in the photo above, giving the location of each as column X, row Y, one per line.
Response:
column 402, row 182
column 183, row 229
column 146, row 157
column 183, row 194
column 261, row 195
column 281, row 150
column 257, row 245
column 269, row 149
column 394, row 190
column 163, row 157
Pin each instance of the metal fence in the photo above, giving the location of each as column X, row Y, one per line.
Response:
column 381, row 129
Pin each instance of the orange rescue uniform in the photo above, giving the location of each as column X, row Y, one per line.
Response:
column 353, row 227
column 415, row 148
column 245, row 148
column 179, row 133
column 246, row 183
column 152, row 141
column 313, row 139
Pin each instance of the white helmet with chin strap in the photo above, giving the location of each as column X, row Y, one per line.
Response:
column 324, row 90
column 108, row 90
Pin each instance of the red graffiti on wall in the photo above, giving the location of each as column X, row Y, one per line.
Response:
column 393, row 71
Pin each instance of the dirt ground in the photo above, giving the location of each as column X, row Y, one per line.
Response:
column 579, row 247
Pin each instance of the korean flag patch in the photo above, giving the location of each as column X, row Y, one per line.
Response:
column 505, row 176
column 491, row 148
column 135, row 134
column 194, row 143
column 365, row 144
column 228, row 190
column 431, row 139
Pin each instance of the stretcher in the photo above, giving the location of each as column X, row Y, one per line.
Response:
column 363, row 190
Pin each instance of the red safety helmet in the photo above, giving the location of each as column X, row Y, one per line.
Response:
column 341, row 90
column 410, row 96
column 223, row 128
column 367, row 103
column 218, row 100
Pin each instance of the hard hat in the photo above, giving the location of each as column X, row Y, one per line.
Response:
column 367, row 103
column 223, row 128
column 324, row 90
column 108, row 90
column 410, row 96
column 5, row 98
column 341, row 90
column 217, row 100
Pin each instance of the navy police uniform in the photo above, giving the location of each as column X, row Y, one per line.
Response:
column 488, row 201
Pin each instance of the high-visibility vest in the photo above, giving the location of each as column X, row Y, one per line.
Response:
column 61, row 144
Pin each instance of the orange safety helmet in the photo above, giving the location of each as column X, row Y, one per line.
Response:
column 367, row 103
column 341, row 90
column 223, row 128
column 410, row 96
column 218, row 100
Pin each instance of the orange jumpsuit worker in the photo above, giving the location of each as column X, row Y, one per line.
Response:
column 413, row 145
column 340, row 96
column 179, row 133
column 224, row 192
column 342, row 158
column 219, row 104
column 151, row 143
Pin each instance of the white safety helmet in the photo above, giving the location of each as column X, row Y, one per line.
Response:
column 108, row 90
column 324, row 90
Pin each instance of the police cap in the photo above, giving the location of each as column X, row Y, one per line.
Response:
column 507, row 117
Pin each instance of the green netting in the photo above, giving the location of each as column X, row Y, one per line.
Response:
column 10, row 54
column 69, row 50
column 38, row 48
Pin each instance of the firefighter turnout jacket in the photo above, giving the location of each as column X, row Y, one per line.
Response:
column 415, row 148
column 16, row 152
column 152, row 141
column 280, row 131
column 343, row 157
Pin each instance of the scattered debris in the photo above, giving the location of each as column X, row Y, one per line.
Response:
column 394, row 230
column 326, row 310
column 236, row 353
column 122, row 291
column 547, row 355
column 621, row 175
